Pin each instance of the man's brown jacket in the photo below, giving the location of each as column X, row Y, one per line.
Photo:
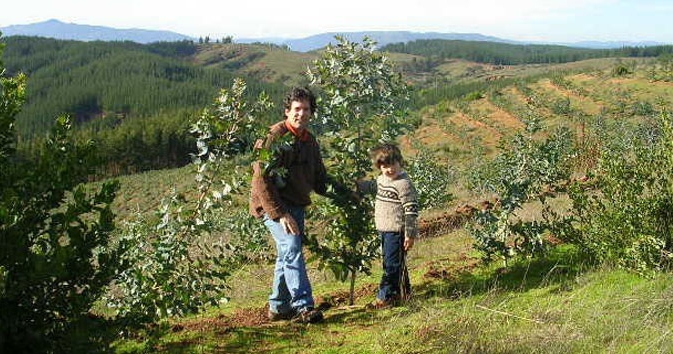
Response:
column 306, row 173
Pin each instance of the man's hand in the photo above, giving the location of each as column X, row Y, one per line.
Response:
column 408, row 243
column 289, row 224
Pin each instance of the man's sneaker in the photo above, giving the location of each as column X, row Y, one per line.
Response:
column 308, row 315
column 274, row 316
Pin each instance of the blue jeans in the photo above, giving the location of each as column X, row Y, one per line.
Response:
column 389, row 288
column 291, row 288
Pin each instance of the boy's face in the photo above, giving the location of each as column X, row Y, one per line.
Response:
column 299, row 114
column 391, row 171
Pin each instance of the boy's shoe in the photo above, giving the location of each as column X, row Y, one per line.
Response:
column 379, row 304
column 308, row 315
column 274, row 316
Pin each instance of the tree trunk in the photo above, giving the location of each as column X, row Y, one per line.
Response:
column 351, row 301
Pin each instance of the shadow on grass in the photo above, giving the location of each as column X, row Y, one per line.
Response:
column 557, row 269
column 271, row 338
column 91, row 334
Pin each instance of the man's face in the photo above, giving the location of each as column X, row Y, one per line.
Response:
column 299, row 114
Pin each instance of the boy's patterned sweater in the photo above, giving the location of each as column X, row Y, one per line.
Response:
column 396, row 207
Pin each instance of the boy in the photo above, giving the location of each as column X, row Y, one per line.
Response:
column 395, row 216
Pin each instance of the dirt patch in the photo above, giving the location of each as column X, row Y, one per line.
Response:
column 248, row 317
column 434, row 135
column 588, row 105
column 582, row 77
column 446, row 222
column 620, row 81
column 502, row 118
column 220, row 323
column 489, row 135
column 446, row 271
column 341, row 298
column 517, row 97
column 441, row 225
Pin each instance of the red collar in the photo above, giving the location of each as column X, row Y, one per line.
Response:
column 302, row 136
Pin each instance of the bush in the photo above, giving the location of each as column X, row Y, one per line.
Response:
column 431, row 179
column 474, row 96
column 620, row 70
column 528, row 168
column 175, row 266
column 364, row 103
column 55, row 253
column 624, row 216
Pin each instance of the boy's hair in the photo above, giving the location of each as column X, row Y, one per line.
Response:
column 386, row 154
column 300, row 94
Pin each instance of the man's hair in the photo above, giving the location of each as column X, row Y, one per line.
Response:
column 386, row 154
column 300, row 94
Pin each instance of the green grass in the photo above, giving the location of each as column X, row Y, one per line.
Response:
column 550, row 305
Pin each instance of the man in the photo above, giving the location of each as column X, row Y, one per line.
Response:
column 280, row 202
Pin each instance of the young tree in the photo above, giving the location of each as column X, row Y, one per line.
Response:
column 174, row 269
column 56, row 257
column 363, row 104
column 527, row 168
column 623, row 215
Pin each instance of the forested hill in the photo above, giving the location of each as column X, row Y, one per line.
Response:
column 90, row 80
column 136, row 99
column 513, row 54
column 143, row 91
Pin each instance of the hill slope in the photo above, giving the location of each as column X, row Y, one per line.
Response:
column 552, row 304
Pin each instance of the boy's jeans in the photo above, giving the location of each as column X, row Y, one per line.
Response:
column 389, row 289
column 291, row 288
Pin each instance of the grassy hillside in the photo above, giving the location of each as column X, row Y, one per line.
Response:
column 469, row 128
column 555, row 304
column 459, row 306
column 264, row 62
column 106, row 79
column 136, row 101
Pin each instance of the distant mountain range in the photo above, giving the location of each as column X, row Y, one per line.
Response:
column 381, row 37
column 61, row 30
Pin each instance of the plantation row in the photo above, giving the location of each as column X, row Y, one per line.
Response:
column 468, row 127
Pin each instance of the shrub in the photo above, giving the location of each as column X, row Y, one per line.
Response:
column 474, row 96
column 561, row 106
column 173, row 269
column 431, row 179
column 528, row 168
column 624, row 216
column 55, row 252
column 620, row 70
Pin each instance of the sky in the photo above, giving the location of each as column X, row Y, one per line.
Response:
column 524, row 20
